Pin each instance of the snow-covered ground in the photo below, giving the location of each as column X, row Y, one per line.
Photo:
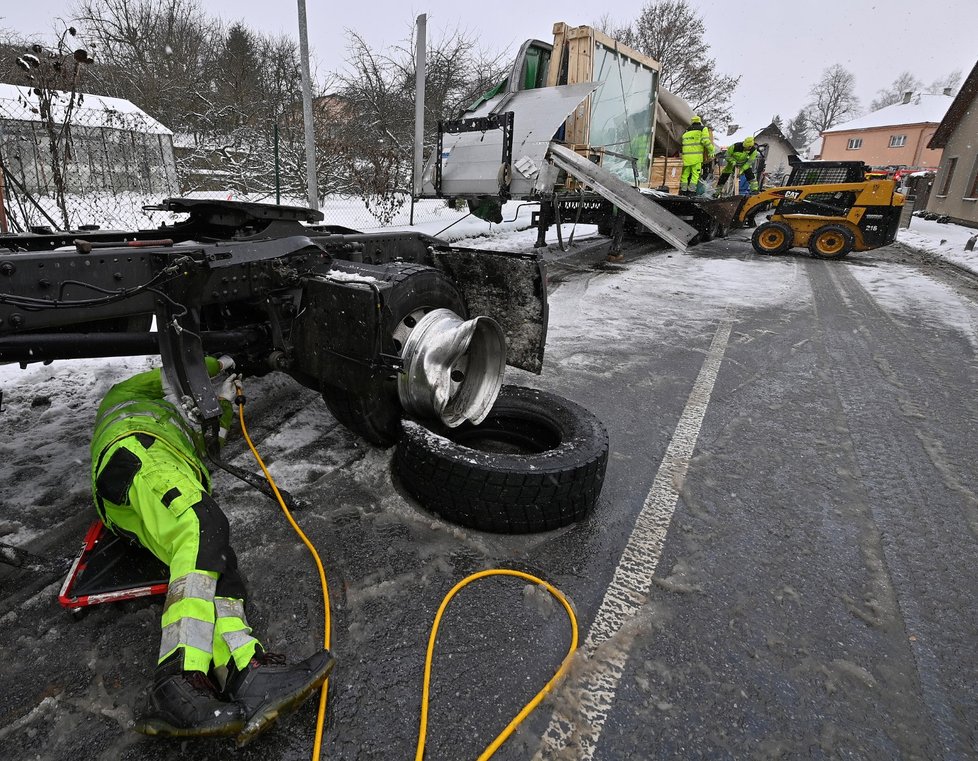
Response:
column 47, row 423
column 946, row 241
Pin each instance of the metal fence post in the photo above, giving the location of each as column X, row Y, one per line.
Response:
column 312, row 192
column 3, row 196
column 278, row 174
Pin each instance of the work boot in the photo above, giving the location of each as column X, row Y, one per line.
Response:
column 267, row 689
column 186, row 704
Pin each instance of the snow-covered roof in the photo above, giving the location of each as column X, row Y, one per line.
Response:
column 21, row 104
column 922, row 109
column 813, row 149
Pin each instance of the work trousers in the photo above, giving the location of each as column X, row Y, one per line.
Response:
column 690, row 176
column 745, row 171
column 148, row 491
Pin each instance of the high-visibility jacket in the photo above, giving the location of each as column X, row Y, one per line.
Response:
column 738, row 155
column 696, row 140
column 138, row 404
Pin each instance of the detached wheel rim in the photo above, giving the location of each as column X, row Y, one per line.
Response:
column 453, row 368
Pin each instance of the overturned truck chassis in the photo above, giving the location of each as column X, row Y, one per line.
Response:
column 378, row 323
column 599, row 198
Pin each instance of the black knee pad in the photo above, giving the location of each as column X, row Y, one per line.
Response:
column 231, row 583
column 214, row 546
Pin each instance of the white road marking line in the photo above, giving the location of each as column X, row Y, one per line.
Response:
column 595, row 689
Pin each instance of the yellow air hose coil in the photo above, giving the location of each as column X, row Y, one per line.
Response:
column 423, row 730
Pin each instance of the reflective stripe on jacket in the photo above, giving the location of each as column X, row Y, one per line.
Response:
column 695, row 141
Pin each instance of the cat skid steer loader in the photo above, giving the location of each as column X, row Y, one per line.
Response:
column 828, row 206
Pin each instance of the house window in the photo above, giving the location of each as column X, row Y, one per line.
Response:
column 973, row 185
column 898, row 141
column 855, row 143
column 951, row 164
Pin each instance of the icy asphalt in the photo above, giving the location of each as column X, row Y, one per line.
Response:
column 792, row 455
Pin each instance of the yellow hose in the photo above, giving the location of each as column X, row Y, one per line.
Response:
column 528, row 708
column 320, row 717
column 423, row 731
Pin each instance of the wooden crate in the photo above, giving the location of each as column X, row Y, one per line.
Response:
column 666, row 171
column 572, row 62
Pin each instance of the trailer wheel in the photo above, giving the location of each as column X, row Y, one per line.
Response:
column 772, row 238
column 831, row 242
column 536, row 463
column 374, row 410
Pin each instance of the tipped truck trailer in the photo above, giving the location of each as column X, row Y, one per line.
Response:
column 573, row 127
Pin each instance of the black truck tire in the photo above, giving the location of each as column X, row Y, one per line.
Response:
column 374, row 411
column 536, row 463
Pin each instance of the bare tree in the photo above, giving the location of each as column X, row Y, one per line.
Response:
column 674, row 34
column 225, row 91
column 951, row 82
column 904, row 83
column 377, row 89
column 834, row 99
column 160, row 54
column 54, row 75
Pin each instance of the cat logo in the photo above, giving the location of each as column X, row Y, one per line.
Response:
column 792, row 195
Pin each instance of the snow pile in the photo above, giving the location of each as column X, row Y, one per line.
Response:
column 946, row 241
column 49, row 411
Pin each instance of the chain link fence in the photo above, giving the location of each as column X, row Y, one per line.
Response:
column 69, row 161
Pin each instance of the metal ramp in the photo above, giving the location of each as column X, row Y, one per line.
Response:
column 627, row 198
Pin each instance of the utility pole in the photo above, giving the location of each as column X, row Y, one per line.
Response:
column 420, row 56
column 312, row 194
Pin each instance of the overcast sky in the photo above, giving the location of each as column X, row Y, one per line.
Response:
column 780, row 48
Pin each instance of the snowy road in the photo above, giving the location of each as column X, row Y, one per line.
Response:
column 813, row 589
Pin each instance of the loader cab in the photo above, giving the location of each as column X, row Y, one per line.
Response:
column 826, row 172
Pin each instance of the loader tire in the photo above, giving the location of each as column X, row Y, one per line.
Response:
column 772, row 238
column 536, row 463
column 831, row 242
column 373, row 410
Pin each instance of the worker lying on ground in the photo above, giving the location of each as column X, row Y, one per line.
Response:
column 150, row 485
column 741, row 156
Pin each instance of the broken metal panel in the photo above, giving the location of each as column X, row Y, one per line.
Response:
column 530, row 69
column 625, row 197
column 470, row 162
column 503, row 123
column 673, row 114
